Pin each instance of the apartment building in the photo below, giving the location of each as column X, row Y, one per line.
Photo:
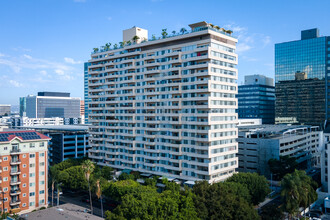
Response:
column 23, row 173
column 166, row 106
column 257, row 144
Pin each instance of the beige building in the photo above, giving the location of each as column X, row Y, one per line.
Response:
column 167, row 106
column 23, row 171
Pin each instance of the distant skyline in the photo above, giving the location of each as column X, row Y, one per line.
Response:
column 45, row 43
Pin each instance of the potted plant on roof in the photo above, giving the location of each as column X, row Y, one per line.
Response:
column 173, row 32
column 122, row 44
column 211, row 25
column 95, row 49
column 217, row 27
column 164, row 33
column 135, row 38
column 229, row 32
column 107, row 46
column 115, row 46
column 153, row 37
column 129, row 42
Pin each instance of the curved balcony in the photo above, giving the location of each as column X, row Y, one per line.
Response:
column 15, row 162
column 15, row 172
column 15, row 202
column 13, row 183
column 15, row 192
column 15, row 151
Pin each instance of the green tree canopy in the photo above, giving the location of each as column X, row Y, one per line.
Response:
column 257, row 185
column 283, row 166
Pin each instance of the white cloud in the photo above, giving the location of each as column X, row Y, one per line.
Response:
column 59, row 72
column 242, row 47
column 43, row 72
column 15, row 83
column 109, row 18
column 266, row 40
column 71, row 60
column 2, row 55
column 27, row 56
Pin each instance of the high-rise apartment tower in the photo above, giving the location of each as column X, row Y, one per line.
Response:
column 166, row 106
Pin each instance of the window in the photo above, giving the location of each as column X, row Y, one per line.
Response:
column 5, row 189
column 5, row 179
column 24, row 175
column 24, row 184
column 42, row 144
column 42, row 164
column 42, row 192
column 5, row 169
column 24, row 155
column 5, row 158
column 6, row 199
column 24, row 194
column 31, row 203
column 42, row 173
column 42, row 201
column 32, row 165
column 24, row 165
column 32, row 145
column 32, row 184
column 32, row 194
column 5, row 148
column 32, row 155
column 24, row 205
column 42, row 154
column 32, row 174
column 42, row 182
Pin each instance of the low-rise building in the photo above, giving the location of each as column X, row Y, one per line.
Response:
column 68, row 141
column 257, row 144
column 23, row 171
column 5, row 110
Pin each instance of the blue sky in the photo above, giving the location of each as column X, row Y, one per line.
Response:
column 45, row 42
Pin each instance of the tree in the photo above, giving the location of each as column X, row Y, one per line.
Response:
column 297, row 191
column 173, row 32
column 223, row 201
column 99, row 195
column 257, row 185
column 107, row 46
column 95, row 49
column 183, row 30
column 54, row 176
column 126, row 176
column 106, row 172
column 135, row 38
column 73, row 178
column 88, row 168
column 271, row 212
column 283, row 166
column 164, row 33
column 115, row 46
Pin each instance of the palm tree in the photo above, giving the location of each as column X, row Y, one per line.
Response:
column 290, row 193
column 95, row 49
column 135, row 38
column 88, row 168
column 107, row 46
column 115, row 46
column 122, row 44
column 54, row 174
column 173, row 32
column 183, row 30
column 164, row 33
column 99, row 195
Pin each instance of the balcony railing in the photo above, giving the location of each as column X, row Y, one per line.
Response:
column 15, row 202
column 15, row 182
column 15, row 172
column 15, row 192
column 15, row 151
column 15, row 161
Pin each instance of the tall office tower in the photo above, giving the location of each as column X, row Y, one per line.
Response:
column 52, row 104
column 301, row 67
column 256, row 99
column 167, row 106
column 23, row 173
column 86, row 99
column 22, row 106
column 5, row 110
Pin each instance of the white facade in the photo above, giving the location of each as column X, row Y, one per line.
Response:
column 249, row 121
column 167, row 106
column 25, row 121
column 129, row 34
column 325, row 161
column 258, row 144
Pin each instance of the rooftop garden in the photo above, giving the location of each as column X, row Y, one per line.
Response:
column 164, row 34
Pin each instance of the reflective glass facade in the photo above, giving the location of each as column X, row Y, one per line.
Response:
column 311, row 56
column 86, row 99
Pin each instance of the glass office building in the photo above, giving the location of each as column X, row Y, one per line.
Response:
column 311, row 56
column 256, row 99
